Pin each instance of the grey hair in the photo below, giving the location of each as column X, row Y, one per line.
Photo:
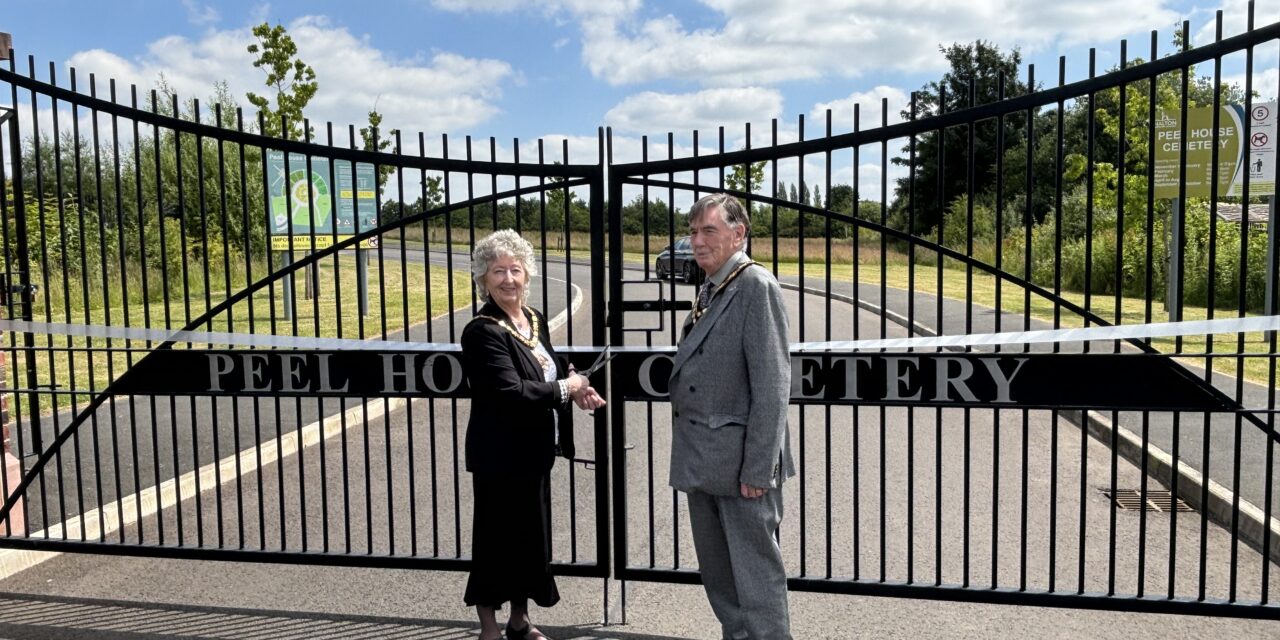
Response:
column 731, row 211
column 504, row 242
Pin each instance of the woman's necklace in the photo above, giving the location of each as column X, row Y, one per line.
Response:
column 532, row 340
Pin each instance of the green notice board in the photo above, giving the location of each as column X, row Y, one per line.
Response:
column 1236, row 156
column 333, row 197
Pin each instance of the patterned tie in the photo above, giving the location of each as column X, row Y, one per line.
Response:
column 704, row 295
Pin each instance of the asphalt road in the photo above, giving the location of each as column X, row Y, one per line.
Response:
column 393, row 510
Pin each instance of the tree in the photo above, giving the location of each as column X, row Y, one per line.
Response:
column 374, row 139
column 293, row 80
column 984, row 65
column 737, row 179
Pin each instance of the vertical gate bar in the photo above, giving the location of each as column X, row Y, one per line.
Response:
column 911, row 228
column 24, row 279
column 386, row 402
column 66, row 306
column 337, row 304
column 1091, row 140
column 970, row 181
column 1058, row 161
column 84, row 293
column 427, row 288
column 855, row 228
column 939, row 329
column 103, row 247
column 568, row 252
column 290, row 299
column 648, row 339
column 856, row 413
column 773, row 177
column 1028, row 222
column 598, row 336
column 675, row 495
column 404, row 319
column 248, row 277
column 720, row 183
column 616, row 337
column 493, row 182
column 311, row 274
column 542, row 226
column 186, row 318
column 911, row 330
column 1211, row 297
column 1122, row 161
column 1028, row 219
column 568, row 279
column 37, row 435
column 1149, row 284
column 226, row 283
column 515, row 154
column 996, row 414
column 800, row 241
column 1118, row 316
column 186, row 315
column 1242, row 307
column 453, row 403
column 1180, row 212
column 826, row 429
column 263, row 156
column 1142, row 513
column 1053, row 501
column 208, row 303
column 1111, row 528
column 1269, row 484
column 146, row 301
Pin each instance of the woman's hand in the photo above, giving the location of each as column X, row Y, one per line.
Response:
column 576, row 383
column 588, row 399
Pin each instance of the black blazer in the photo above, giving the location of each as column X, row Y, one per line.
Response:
column 512, row 425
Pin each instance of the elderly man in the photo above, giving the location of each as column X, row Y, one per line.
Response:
column 730, row 450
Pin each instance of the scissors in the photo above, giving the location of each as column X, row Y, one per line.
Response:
column 601, row 359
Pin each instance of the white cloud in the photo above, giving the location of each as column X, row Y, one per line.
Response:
column 869, row 105
column 200, row 14
column 441, row 93
column 1235, row 15
column 652, row 112
column 549, row 7
column 769, row 42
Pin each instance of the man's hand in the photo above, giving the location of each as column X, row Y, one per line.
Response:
column 588, row 399
column 751, row 492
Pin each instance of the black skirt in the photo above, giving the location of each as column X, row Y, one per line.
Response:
column 511, row 541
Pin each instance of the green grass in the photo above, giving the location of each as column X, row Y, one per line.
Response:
column 955, row 286
column 322, row 317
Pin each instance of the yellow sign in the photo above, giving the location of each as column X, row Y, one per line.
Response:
column 303, row 242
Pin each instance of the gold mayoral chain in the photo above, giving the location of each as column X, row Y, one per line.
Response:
column 532, row 341
column 698, row 313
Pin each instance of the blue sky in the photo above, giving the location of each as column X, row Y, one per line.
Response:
column 560, row 68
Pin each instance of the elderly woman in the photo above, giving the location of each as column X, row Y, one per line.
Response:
column 520, row 420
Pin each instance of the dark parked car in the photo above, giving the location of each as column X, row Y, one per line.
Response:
column 682, row 266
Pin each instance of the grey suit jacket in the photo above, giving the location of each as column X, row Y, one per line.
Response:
column 730, row 385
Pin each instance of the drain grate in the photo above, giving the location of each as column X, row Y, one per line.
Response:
column 1158, row 500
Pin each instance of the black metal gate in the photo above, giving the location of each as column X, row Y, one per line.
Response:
column 912, row 491
column 131, row 243
column 143, row 232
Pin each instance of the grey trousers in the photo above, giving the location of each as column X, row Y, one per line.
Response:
column 741, row 564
